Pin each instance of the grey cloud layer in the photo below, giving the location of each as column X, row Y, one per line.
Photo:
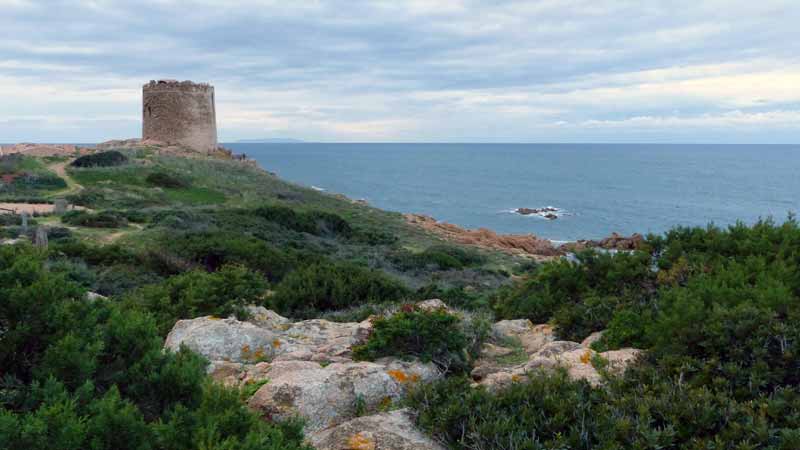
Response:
column 415, row 70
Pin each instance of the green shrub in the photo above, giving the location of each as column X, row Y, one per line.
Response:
column 646, row 412
column 199, row 293
column 103, row 159
column 313, row 222
column 441, row 257
column 167, row 180
column 94, row 375
column 212, row 250
column 102, row 219
column 582, row 295
column 428, row 335
column 328, row 286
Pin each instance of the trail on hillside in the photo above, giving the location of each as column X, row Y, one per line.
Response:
column 61, row 171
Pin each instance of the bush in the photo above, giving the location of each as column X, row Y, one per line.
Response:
column 327, row 286
column 199, row 293
column 167, row 180
column 428, row 335
column 580, row 296
column 554, row 412
column 441, row 257
column 313, row 222
column 213, row 250
column 103, row 159
column 80, row 374
column 102, row 219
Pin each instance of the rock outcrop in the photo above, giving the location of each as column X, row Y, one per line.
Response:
column 520, row 348
column 613, row 242
column 305, row 367
column 517, row 244
column 393, row 430
column 327, row 396
column 267, row 336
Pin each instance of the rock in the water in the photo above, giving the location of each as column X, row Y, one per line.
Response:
column 393, row 430
column 327, row 396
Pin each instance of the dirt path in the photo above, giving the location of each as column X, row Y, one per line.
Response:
column 110, row 238
column 61, row 170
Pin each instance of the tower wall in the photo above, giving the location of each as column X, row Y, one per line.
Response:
column 180, row 112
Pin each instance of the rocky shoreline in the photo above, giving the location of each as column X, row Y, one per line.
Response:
column 527, row 245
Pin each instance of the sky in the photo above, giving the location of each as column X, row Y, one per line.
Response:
column 700, row 71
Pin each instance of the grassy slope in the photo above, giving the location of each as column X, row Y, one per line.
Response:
column 222, row 185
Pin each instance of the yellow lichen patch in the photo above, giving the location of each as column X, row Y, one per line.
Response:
column 402, row 377
column 258, row 354
column 516, row 378
column 214, row 318
column 276, row 343
column 245, row 351
column 359, row 441
column 586, row 357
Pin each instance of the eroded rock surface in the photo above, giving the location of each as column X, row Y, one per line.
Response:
column 538, row 349
column 531, row 337
column 327, row 396
column 393, row 430
column 267, row 336
column 306, row 369
column 303, row 368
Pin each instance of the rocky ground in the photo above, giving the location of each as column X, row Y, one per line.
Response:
column 516, row 244
column 306, row 369
column 527, row 245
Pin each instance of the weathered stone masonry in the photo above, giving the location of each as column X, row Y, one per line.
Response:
column 180, row 112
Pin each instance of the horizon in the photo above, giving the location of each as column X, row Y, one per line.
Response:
column 302, row 142
column 710, row 72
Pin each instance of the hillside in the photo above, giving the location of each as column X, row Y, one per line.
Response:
column 203, row 303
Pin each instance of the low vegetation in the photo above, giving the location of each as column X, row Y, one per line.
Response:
column 717, row 311
column 79, row 374
column 102, row 219
column 24, row 176
column 320, row 287
column 428, row 335
column 102, row 159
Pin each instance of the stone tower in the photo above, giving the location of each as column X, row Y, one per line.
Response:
column 180, row 112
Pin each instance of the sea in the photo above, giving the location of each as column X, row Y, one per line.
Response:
column 594, row 189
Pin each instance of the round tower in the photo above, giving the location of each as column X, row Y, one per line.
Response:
column 180, row 112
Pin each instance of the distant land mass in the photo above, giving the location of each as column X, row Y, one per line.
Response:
column 270, row 141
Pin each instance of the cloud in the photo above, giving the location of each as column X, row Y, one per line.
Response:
column 415, row 70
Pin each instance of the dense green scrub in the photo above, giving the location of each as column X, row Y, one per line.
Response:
column 23, row 178
column 718, row 311
column 79, row 374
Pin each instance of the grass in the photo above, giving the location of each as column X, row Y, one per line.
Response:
column 128, row 175
column 215, row 189
column 195, row 196
column 516, row 357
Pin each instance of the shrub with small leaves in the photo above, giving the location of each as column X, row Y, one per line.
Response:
column 428, row 335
